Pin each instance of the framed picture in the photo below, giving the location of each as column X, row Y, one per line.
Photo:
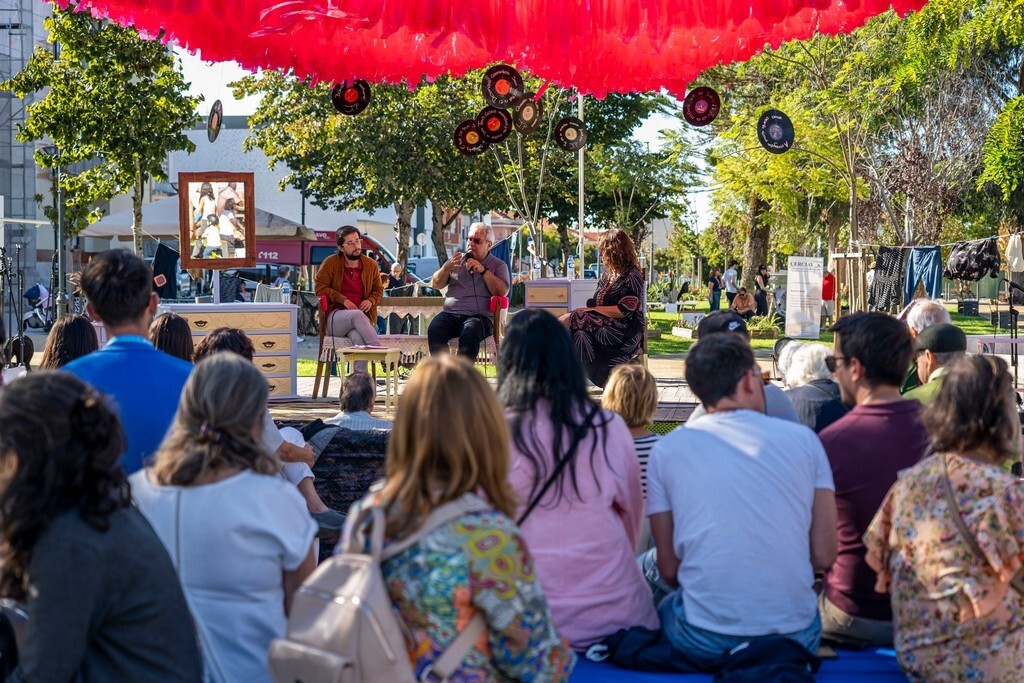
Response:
column 217, row 225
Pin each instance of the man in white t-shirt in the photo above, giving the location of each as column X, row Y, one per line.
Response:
column 742, row 510
column 731, row 287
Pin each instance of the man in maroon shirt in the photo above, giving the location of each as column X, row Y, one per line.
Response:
column 867, row 447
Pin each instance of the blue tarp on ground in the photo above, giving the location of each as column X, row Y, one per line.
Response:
column 850, row 667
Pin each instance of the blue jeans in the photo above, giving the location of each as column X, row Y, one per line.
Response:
column 716, row 300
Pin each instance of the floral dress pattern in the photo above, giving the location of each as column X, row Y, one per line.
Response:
column 604, row 342
column 477, row 563
column 954, row 616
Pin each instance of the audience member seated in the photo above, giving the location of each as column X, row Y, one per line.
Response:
column 777, row 404
column 296, row 460
column 358, row 394
column 170, row 333
column 472, row 279
column 742, row 513
column 934, row 350
column 71, row 338
column 947, row 541
column 101, row 592
column 814, row 393
column 743, row 304
column 632, row 392
column 577, row 479
column 920, row 314
column 239, row 535
column 477, row 563
column 144, row 383
column 610, row 329
column 867, row 447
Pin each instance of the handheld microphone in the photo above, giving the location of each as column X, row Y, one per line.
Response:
column 1012, row 285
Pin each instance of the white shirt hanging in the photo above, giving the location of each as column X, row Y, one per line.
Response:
column 1015, row 254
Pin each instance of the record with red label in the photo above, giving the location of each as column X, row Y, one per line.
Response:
column 570, row 134
column 468, row 139
column 494, row 124
column 527, row 114
column 214, row 121
column 701, row 106
column 351, row 99
column 502, row 86
column 775, row 131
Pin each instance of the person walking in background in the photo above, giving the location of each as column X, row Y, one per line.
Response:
column 714, row 289
column 947, row 540
column 731, row 282
column 71, row 337
column 239, row 535
column 170, row 333
column 450, row 443
column 103, row 599
column 577, row 479
column 762, row 283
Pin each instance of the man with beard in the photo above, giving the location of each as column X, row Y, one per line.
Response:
column 472, row 279
column 351, row 282
column 866, row 448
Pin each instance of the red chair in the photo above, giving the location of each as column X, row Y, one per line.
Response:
column 322, row 362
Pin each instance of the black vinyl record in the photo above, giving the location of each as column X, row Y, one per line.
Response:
column 494, row 124
column 502, row 86
column 351, row 99
column 570, row 134
column 214, row 121
column 775, row 131
column 527, row 114
column 468, row 139
column 701, row 106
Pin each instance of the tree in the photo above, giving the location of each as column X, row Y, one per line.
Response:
column 114, row 101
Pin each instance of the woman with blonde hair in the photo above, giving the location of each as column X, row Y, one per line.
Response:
column 450, row 443
column 239, row 536
column 632, row 392
column 948, row 540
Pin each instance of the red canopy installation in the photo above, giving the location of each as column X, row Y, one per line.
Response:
column 596, row 46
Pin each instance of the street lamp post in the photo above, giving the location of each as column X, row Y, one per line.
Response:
column 62, row 295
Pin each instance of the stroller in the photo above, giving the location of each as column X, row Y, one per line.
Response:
column 40, row 303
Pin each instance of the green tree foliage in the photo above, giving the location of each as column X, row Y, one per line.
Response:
column 114, row 102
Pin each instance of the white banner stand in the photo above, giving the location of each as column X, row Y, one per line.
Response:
column 803, row 297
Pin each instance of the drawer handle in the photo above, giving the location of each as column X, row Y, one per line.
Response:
column 268, row 365
column 271, row 387
column 202, row 323
column 269, row 344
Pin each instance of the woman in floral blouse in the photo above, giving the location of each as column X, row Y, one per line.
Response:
column 450, row 440
column 955, row 615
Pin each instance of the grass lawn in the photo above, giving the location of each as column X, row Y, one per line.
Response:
column 306, row 367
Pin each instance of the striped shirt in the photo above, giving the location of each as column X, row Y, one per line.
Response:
column 644, row 444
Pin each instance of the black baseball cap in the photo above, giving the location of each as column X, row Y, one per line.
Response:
column 721, row 321
column 941, row 338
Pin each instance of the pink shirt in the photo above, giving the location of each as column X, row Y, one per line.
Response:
column 583, row 550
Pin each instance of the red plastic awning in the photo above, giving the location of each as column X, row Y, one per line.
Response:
column 597, row 46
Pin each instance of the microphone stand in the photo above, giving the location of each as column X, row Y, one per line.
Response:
column 1013, row 324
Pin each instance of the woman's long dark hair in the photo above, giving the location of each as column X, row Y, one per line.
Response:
column 537, row 361
column 68, row 446
column 71, row 338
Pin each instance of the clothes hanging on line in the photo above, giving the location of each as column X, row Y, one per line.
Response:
column 924, row 265
column 1015, row 254
column 166, row 263
column 885, row 287
column 972, row 260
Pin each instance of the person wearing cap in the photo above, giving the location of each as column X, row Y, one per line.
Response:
column 935, row 349
column 920, row 314
column 777, row 404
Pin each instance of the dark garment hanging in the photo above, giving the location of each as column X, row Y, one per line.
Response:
column 166, row 263
column 886, row 293
column 925, row 266
column 972, row 260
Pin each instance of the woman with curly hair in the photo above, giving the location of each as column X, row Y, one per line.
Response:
column 102, row 595
column 610, row 330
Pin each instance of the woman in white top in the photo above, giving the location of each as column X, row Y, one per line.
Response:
column 239, row 536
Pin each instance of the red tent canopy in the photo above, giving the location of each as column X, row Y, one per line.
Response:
column 597, row 46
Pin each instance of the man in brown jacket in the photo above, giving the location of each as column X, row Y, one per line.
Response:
column 351, row 283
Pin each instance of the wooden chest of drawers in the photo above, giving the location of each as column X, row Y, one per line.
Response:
column 558, row 296
column 271, row 327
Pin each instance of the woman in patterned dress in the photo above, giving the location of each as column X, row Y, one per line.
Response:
column 450, row 441
column 610, row 330
column 955, row 615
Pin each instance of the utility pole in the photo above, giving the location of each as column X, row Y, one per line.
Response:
column 582, row 263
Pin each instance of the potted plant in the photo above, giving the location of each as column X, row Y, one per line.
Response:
column 762, row 327
column 653, row 332
column 685, row 329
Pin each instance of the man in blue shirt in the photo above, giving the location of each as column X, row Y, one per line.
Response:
column 145, row 384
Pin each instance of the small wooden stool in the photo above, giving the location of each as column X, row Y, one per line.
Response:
column 388, row 358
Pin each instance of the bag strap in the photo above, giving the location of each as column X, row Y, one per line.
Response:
column 957, row 517
column 576, row 438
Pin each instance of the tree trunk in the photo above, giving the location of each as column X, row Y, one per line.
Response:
column 439, row 225
column 563, row 246
column 755, row 249
column 137, row 210
column 403, row 230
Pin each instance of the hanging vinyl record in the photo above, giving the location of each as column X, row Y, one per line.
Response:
column 775, row 131
column 468, row 139
column 527, row 114
column 214, row 121
column 701, row 106
column 494, row 124
column 570, row 134
column 351, row 99
column 502, row 86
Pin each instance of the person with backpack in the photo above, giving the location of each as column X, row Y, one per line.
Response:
column 474, row 572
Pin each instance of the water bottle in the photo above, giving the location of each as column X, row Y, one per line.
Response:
column 572, row 268
column 286, row 292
